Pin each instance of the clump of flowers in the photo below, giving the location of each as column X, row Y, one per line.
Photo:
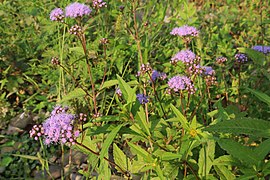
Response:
column 209, row 75
column 82, row 117
column 185, row 31
column 179, row 83
column 143, row 99
column 208, row 70
column 99, row 4
column 118, row 92
column 156, row 75
column 221, row 60
column 58, row 128
column 263, row 49
column 241, row 58
column 55, row 61
column 57, row 14
column 144, row 69
column 76, row 30
column 186, row 56
column 36, row 132
column 76, row 9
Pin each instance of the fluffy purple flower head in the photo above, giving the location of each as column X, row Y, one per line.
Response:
column 155, row 75
column 99, row 4
column 263, row 49
column 241, row 58
column 77, row 10
column 208, row 70
column 186, row 56
column 57, row 14
column 221, row 60
column 184, row 31
column 143, row 99
column 178, row 83
column 58, row 128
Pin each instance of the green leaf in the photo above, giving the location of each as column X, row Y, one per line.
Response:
column 120, row 158
column 159, row 172
column 140, row 116
column 262, row 96
column 109, row 141
column 26, row 156
column 6, row 161
column 224, row 160
column 224, row 173
column 127, row 91
column 206, row 157
column 140, row 151
column 166, row 156
column 248, row 126
column 243, row 153
column 257, row 57
column 109, row 84
column 180, row 117
column 76, row 93
column 263, row 149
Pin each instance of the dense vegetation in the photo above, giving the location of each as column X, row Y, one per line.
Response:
column 170, row 89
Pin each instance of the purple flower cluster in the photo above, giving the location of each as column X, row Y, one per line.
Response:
column 143, row 99
column 263, row 49
column 73, row 10
column 193, row 69
column 58, row 128
column 144, row 69
column 76, row 9
column 57, row 14
column 178, row 83
column 208, row 70
column 186, row 56
column 241, row 58
column 155, row 75
column 76, row 30
column 221, row 60
column 184, row 31
column 99, row 4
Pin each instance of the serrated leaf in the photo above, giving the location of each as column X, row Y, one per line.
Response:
column 180, row 117
column 243, row 153
column 262, row 96
column 248, row 126
column 76, row 93
column 109, row 141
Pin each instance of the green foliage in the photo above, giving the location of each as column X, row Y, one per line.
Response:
column 221, row 131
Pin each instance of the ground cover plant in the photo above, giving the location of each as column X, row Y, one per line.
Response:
column 139, row 89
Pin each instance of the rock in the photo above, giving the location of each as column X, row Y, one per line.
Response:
column 75, row 176
column 77, row 158
column 55, row 172
column 21, row 120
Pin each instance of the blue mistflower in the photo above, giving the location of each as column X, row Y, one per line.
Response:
column 77, row 10
column 263, row 49
column 184, row 31
column 208, row 70
column 57, row 14
column 241, row 58
column 186, row 56
column 58, row 128
column 143, row 99
column 178, row 83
